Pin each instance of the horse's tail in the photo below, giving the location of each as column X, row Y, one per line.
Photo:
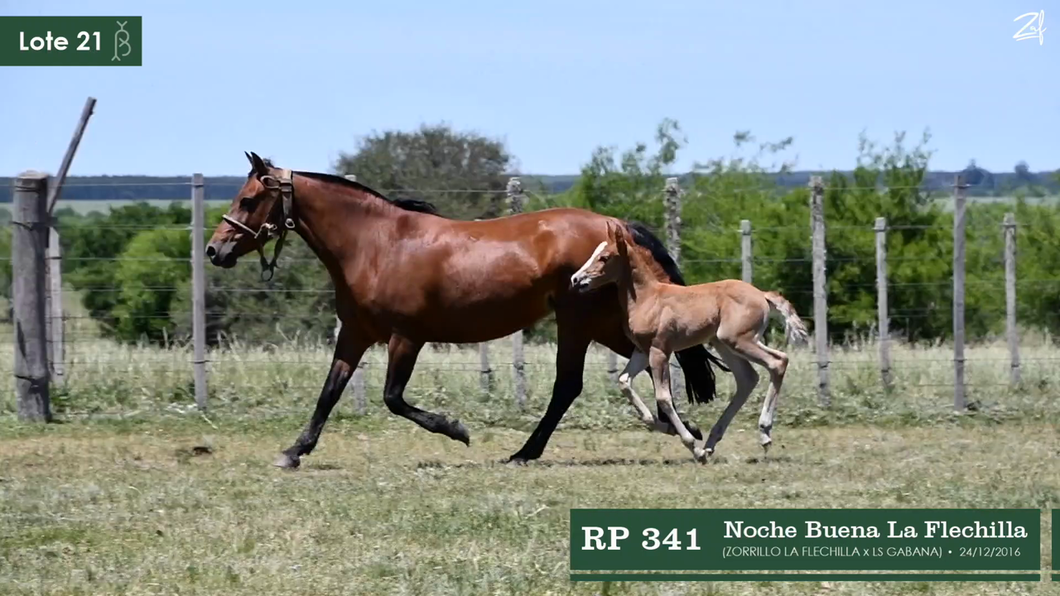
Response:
column 794, row 328
column 695, row 361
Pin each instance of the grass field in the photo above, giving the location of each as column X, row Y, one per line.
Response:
column 381, row 508
column 116, row 500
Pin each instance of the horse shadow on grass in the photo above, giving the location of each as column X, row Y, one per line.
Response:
column 602, row 462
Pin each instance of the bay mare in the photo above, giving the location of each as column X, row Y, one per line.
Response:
column 405, row 276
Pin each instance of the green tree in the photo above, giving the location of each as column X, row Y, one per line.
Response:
column 93, row 244
column 147, row 273
column 463, row 173
column 627, row 185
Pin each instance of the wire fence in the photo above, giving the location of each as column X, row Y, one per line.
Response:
column 281, row 365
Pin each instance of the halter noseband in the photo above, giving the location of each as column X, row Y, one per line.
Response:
column 285, row 186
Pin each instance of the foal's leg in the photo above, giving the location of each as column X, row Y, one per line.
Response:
column 746, row 380
column 401, row 361
column 776, row 362
column 638, row 361
column 660, row 372
column 348, row 352
column 769, row 406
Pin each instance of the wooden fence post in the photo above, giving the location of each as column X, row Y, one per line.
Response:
column 959, row 401
column 672, row 201
column 29, row 240
column 1010, row 299
column 884, row 338
column 56, row 321
column 198, row 288
column 746, row 254
column 820, row 291
column 515, row 206
column 360, row 400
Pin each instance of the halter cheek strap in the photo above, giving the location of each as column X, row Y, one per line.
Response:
column 268, row 230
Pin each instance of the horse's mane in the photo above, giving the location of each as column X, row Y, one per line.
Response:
column 415, row 205
column 643, row 237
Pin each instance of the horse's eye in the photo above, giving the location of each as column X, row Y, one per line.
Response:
column 247, row 202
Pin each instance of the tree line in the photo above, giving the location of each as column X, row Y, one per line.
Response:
column 131, row 271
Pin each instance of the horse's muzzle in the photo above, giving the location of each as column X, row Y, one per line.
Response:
column 580, row 284
column 221, row 254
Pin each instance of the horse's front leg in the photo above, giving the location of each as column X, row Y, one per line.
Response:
column 402, row 359
column 659, row 361
column 348, row 351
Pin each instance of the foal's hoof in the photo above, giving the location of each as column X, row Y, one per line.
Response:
column 459, row 432
column 700, row 455
column 287, row 461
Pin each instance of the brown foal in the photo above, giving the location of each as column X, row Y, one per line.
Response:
column 731, row 315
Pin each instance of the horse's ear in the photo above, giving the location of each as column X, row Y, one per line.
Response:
column 249, row 159
column 258, row 165
column 620, row 240
column 610, row 231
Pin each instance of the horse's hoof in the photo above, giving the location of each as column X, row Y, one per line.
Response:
column 287, row 461
column 701, row 455
column 693, row 429
column 518, row 460
column 459, row 432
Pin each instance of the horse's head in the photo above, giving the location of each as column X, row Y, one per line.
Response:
column 606, row 264
column 260, row 211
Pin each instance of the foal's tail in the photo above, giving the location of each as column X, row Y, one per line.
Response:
column 794, row 328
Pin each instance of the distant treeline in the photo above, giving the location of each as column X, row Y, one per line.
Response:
column 120, row 188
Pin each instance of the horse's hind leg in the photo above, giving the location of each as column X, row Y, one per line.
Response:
column 348, row 352
column 570, row 363
column 746, row 381
column 777, row 370
column 776, row 362
column 401, row 361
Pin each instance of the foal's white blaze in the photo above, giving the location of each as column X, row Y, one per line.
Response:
column 577, row 274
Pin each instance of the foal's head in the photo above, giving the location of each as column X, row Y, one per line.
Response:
column 606, row 265
column 255, row 211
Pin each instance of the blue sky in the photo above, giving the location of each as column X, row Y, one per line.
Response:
column 300, row 82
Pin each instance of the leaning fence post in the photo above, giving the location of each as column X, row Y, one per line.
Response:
column 55, row 320
column 29, row 240
column 515, row 206
column 672, row 201
column 881, row 302
column 360, row 400
column 959, row 402
column 820, row 291
column 1010, row 299
column 198, row 288
column 746, row 255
